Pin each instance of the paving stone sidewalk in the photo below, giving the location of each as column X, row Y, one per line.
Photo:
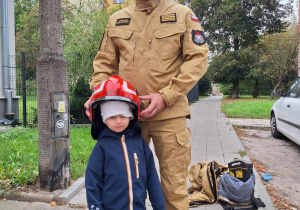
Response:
column 213, row 138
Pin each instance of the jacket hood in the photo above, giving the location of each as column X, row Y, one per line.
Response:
column 132, row 130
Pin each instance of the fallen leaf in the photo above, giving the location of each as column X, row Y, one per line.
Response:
column 53, row 203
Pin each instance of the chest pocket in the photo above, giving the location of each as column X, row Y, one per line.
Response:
column 121, row 37
column 169, row 41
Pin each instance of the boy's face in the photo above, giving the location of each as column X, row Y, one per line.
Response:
column 117, row 123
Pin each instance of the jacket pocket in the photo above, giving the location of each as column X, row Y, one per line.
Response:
column 183, row 153
column 122, row 39
column 169, row 41
column 136, row 162
column 120, row 33
column 183, row 136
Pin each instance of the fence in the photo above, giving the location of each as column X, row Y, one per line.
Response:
column 26, row 92
column 26, row 88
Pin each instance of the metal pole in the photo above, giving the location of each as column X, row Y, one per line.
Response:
column 6, row 75
column 24, row 89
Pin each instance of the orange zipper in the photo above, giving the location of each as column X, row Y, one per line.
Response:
column 128, row 172
column 136, row 160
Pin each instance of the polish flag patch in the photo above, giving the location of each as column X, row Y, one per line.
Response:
column 194, row 18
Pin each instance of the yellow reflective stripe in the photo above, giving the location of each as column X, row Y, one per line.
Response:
column 128, row 173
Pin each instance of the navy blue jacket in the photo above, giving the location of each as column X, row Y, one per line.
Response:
column 119, row 173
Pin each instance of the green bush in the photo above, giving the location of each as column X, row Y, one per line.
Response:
column 78, row 97
column 34, row 114
column 225, row 89
column 204, row 86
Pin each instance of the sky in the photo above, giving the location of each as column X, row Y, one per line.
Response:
column 296, row 7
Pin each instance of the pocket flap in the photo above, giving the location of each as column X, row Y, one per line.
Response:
column 165, row 32
column 183, row 136
column 120, row 33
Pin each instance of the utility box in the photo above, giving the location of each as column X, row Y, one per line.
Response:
column 59, row 115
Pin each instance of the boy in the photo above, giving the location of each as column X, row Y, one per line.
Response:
column 121, row 167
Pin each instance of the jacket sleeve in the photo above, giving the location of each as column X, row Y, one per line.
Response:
column 106, row 62
column 155, row 192
column 93, row 179
column 194, row 65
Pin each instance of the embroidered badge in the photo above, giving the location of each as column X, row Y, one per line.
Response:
column 194, row 18
column 123, row 21
column 168, row 18
column 198, row 37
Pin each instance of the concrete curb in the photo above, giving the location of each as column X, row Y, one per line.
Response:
column 61, row 196
column 67, row 195
column 252, row 126
column 236, row 138
column 43, row 197
column 250, row 123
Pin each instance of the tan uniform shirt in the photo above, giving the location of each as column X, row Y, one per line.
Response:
column 163, row 51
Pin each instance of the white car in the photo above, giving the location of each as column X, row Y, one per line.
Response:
column 285, row 114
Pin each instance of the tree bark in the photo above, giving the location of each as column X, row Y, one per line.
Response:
column 255, row 89
column 276, row 86
column 235, row 82
column 235, row 89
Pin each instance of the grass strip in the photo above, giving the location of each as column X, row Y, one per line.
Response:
column 246, row 108
column 19, row 155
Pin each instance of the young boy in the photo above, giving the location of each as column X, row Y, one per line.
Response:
column 121, row 166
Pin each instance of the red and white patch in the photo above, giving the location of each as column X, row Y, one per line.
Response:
column 194, row 18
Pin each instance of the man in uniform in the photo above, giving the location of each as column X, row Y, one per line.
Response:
column 160, row 48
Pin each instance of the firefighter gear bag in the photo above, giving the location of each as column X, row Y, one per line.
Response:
column 204, row 178
column 237, row 187
column 233, row 190
column 240, row 169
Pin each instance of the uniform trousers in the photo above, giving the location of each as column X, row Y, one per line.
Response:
column 173, row 150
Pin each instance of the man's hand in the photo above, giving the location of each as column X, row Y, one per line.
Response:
column 87, row 108
column 157, row 104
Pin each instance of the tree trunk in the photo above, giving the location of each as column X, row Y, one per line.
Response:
column 255, row 89
column 236, row 81
column 52, row 98
column 276, row 86
column 235, row 89
column 236, row 43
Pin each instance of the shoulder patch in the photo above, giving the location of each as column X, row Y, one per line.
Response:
column 168, row 18
column 194, row 18
column 123, row 21
column 198, row 37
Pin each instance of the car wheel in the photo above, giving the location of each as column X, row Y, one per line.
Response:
column 274, row 131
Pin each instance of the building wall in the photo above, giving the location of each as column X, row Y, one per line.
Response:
column 112, row 3
column 11, row 36
column 1, row 56
column 123, row 3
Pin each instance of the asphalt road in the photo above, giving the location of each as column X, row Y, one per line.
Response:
column 278, row 158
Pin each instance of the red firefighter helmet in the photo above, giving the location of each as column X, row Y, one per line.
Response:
column 113, row 89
